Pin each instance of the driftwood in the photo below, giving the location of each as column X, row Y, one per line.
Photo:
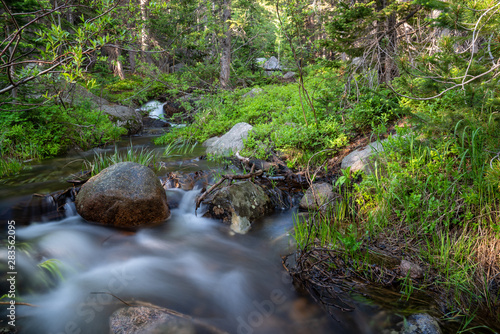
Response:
column 224, row 178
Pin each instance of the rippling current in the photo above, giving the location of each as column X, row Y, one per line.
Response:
column 191, row 265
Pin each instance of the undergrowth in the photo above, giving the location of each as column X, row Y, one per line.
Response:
column 50, row 130
column 283, row 123
column 435, row 197
column 440, row 199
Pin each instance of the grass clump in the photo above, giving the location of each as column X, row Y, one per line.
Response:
column 143, row 156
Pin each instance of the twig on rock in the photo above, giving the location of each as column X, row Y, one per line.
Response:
column 224, row 178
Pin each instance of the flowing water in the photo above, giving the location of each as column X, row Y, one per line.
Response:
column 155, row 109
column 192, row 265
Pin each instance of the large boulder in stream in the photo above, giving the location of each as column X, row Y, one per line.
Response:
column 229, row 143
column 124, row 117
column 239, row 204
column 126, row 195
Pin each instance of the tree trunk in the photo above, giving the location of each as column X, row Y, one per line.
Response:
column 387, row 42
column 11, row 68
column 391, row 69
column 131, row 59
column 115, row 64
column 225, row 60
column 144, row 33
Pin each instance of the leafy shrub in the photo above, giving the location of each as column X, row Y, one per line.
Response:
column 51, row 130
column 282, row 120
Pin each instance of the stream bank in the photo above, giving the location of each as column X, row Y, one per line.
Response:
column 191, row 264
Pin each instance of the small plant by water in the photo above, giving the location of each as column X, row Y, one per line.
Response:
column 143, row 156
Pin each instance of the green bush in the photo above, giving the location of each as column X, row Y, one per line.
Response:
column 284, row 122
column 51, row 130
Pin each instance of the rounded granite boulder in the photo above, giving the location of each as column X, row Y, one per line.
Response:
column 126, row 195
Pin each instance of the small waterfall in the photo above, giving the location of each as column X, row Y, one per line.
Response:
column 155, row 109
column 69, row 208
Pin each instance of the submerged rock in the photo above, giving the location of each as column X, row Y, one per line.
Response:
column 239, row 204
column 317, row 197
column 141, row 319
column 150, row 122
column 124, row 195
column 421, row 323
column 229, row 143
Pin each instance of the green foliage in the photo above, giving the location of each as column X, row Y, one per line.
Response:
column 10, row 166
column 277, row 117
column 53, row 268
column 48, row 131
column 434, row 185
column 347, row 25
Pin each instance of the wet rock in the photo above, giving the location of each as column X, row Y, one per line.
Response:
column 317, row 197
column 149, row 122
column 124, row 195
column 262, row 165
column 41, row 208
column 413, row 269
column 170, row 109
column 281, row 200
column 186, row 181
column 229, row 143
column 363, row 158
column 122, row 116
column 421, row 323
column 239, row 204
column 125, row 117
column 141, row 319
column 254, row 92
column 154, row 131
